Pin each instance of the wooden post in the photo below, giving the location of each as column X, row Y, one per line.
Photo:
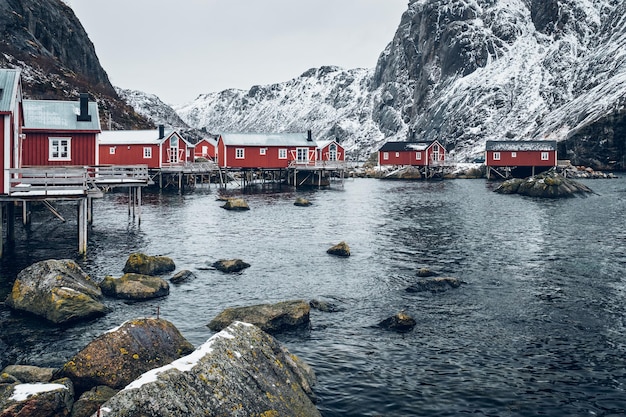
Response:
column 11, row 223
column 139, row 205
column 82, row 226
column 1, row 225
column 25, row 216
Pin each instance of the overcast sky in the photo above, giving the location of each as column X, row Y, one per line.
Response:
column 178, row 49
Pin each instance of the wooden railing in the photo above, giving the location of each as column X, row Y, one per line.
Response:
column 49, row 181
column 111, row 174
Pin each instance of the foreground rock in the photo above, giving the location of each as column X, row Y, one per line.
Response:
column 302, row 202
column 28, row 374
column 37, row 400
column 341, row 249
column 547, row 185
column 401, row 322
column 272, row 318
column 435, row 285
column 230, row 265
column 240, row 371
column 118, row 357
column 237, row 204
column 139, row 263
column 57, row 290
column 90, row 401
column 135, row 287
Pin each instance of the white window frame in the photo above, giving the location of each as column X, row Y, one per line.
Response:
column 513, row 154
column 418, row 156
column 496, row 156
column 56, row 151
column 262, row 151
column 147, row 152
column 397, row 154
column 240, row 153
column 545, row 156
column 112, row 150
column 282, row 153
column 205, row 150
column 385, row 156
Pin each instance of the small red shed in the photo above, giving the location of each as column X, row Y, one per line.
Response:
column 11, row 120
column 205, row 148
column 60, row 133
column 330, row 151
column 155, row 148
column 265, row 150
column 423, row 154
column 534, row 155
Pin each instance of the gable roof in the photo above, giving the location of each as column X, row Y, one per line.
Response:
column 266, row 139
column 59, row 115
column 137, row 137
column 405, row 146
column 520, row 145
column 321, row 144
column 9, row 83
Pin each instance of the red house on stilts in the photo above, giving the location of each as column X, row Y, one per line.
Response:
column 519, row 158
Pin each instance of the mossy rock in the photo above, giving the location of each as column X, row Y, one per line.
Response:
column 139, row 263
column 236, row 204
column 135, row 287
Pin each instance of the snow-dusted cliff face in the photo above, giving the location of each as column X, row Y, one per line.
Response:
column 462, row 72
column 151, row 107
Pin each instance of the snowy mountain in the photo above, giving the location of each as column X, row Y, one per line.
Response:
column 151, row 107
column 462, row 72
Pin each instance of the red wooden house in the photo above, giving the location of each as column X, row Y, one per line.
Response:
column 11, row 121
column 155, row 148
column 60, row 133
column 265, row 151
column 420, row 154
column 519, row 158
column 330, row 151
column 205, row 148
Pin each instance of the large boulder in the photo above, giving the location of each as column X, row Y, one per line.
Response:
column 549, row 184
column 435, row 285
column 119, row 356
column 58, row 290
column 341, row 249
column 135, row 287
column 37, row 400
column 230, row 265
column 240, row 371
column 139, row 263
column 237, row 204
column 272, row 318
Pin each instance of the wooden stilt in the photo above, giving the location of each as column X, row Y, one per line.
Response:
column 82, row 226
column 139, row 205
column 11, row 223
column 25, row 215
column 1, row 231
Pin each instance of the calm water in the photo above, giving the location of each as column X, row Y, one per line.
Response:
column 539, row 329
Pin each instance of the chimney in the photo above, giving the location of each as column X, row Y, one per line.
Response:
column 84, row 115
column 161, row 131
column 309, row 136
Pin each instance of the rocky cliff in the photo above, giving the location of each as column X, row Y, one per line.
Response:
column 46, row 40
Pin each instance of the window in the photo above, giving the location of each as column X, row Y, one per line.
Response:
column 513, row 154
column 386, row 156
column 147, row 153
column 418, row 156
column 240, row 153
column 205, row 150
column 282, row 154
column 262, row 151
column 545, row 156
column 496, row 156
column 397, row 154
column 59, row 149
column 112, row 150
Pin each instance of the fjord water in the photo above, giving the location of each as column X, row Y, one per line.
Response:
column 538, row 328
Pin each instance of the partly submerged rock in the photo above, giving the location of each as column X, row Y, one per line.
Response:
column 53, row 399
column 272, row 318
column 139, row 263
column 230, row 265
column 237, row 204
column 549, row 184
column 325, row 306
column 119, row 356
column 135, row 287
column 341, row 249
column 57, row 290
column 401, row 322
column 438, row 284
column 302, row 202
column 240, row 371
column 182, row 276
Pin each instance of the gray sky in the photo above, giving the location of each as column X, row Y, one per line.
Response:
column 178, row 49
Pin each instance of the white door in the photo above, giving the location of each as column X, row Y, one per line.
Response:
column 302, row 155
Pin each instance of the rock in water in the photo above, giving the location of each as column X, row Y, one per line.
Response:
column 435, row 284
column 117, row 357
column 302, row 202
column 401, row 322
column 135, row 287
column 58, row 290
column 272, row 318
column 341, row 249
column 241, row 371
column 237, row 204
column 547, row 185
column 139, row 263
column 230, row 265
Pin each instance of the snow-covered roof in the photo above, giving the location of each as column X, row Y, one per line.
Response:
column 59, row 115
column 267, row 139
column 324, row 143
column 520, row 145
column 136, row 137
column 9, row 81
column 405, row 146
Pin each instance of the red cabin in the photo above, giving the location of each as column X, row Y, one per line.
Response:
column 11, row 121
column 205, row 148
column 423, row 154
column 330, row 151
column 60, row 133
column 520, row 158
column 155, row 148
column 265, row 151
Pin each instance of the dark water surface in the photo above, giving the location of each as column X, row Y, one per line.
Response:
column 539, row 329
